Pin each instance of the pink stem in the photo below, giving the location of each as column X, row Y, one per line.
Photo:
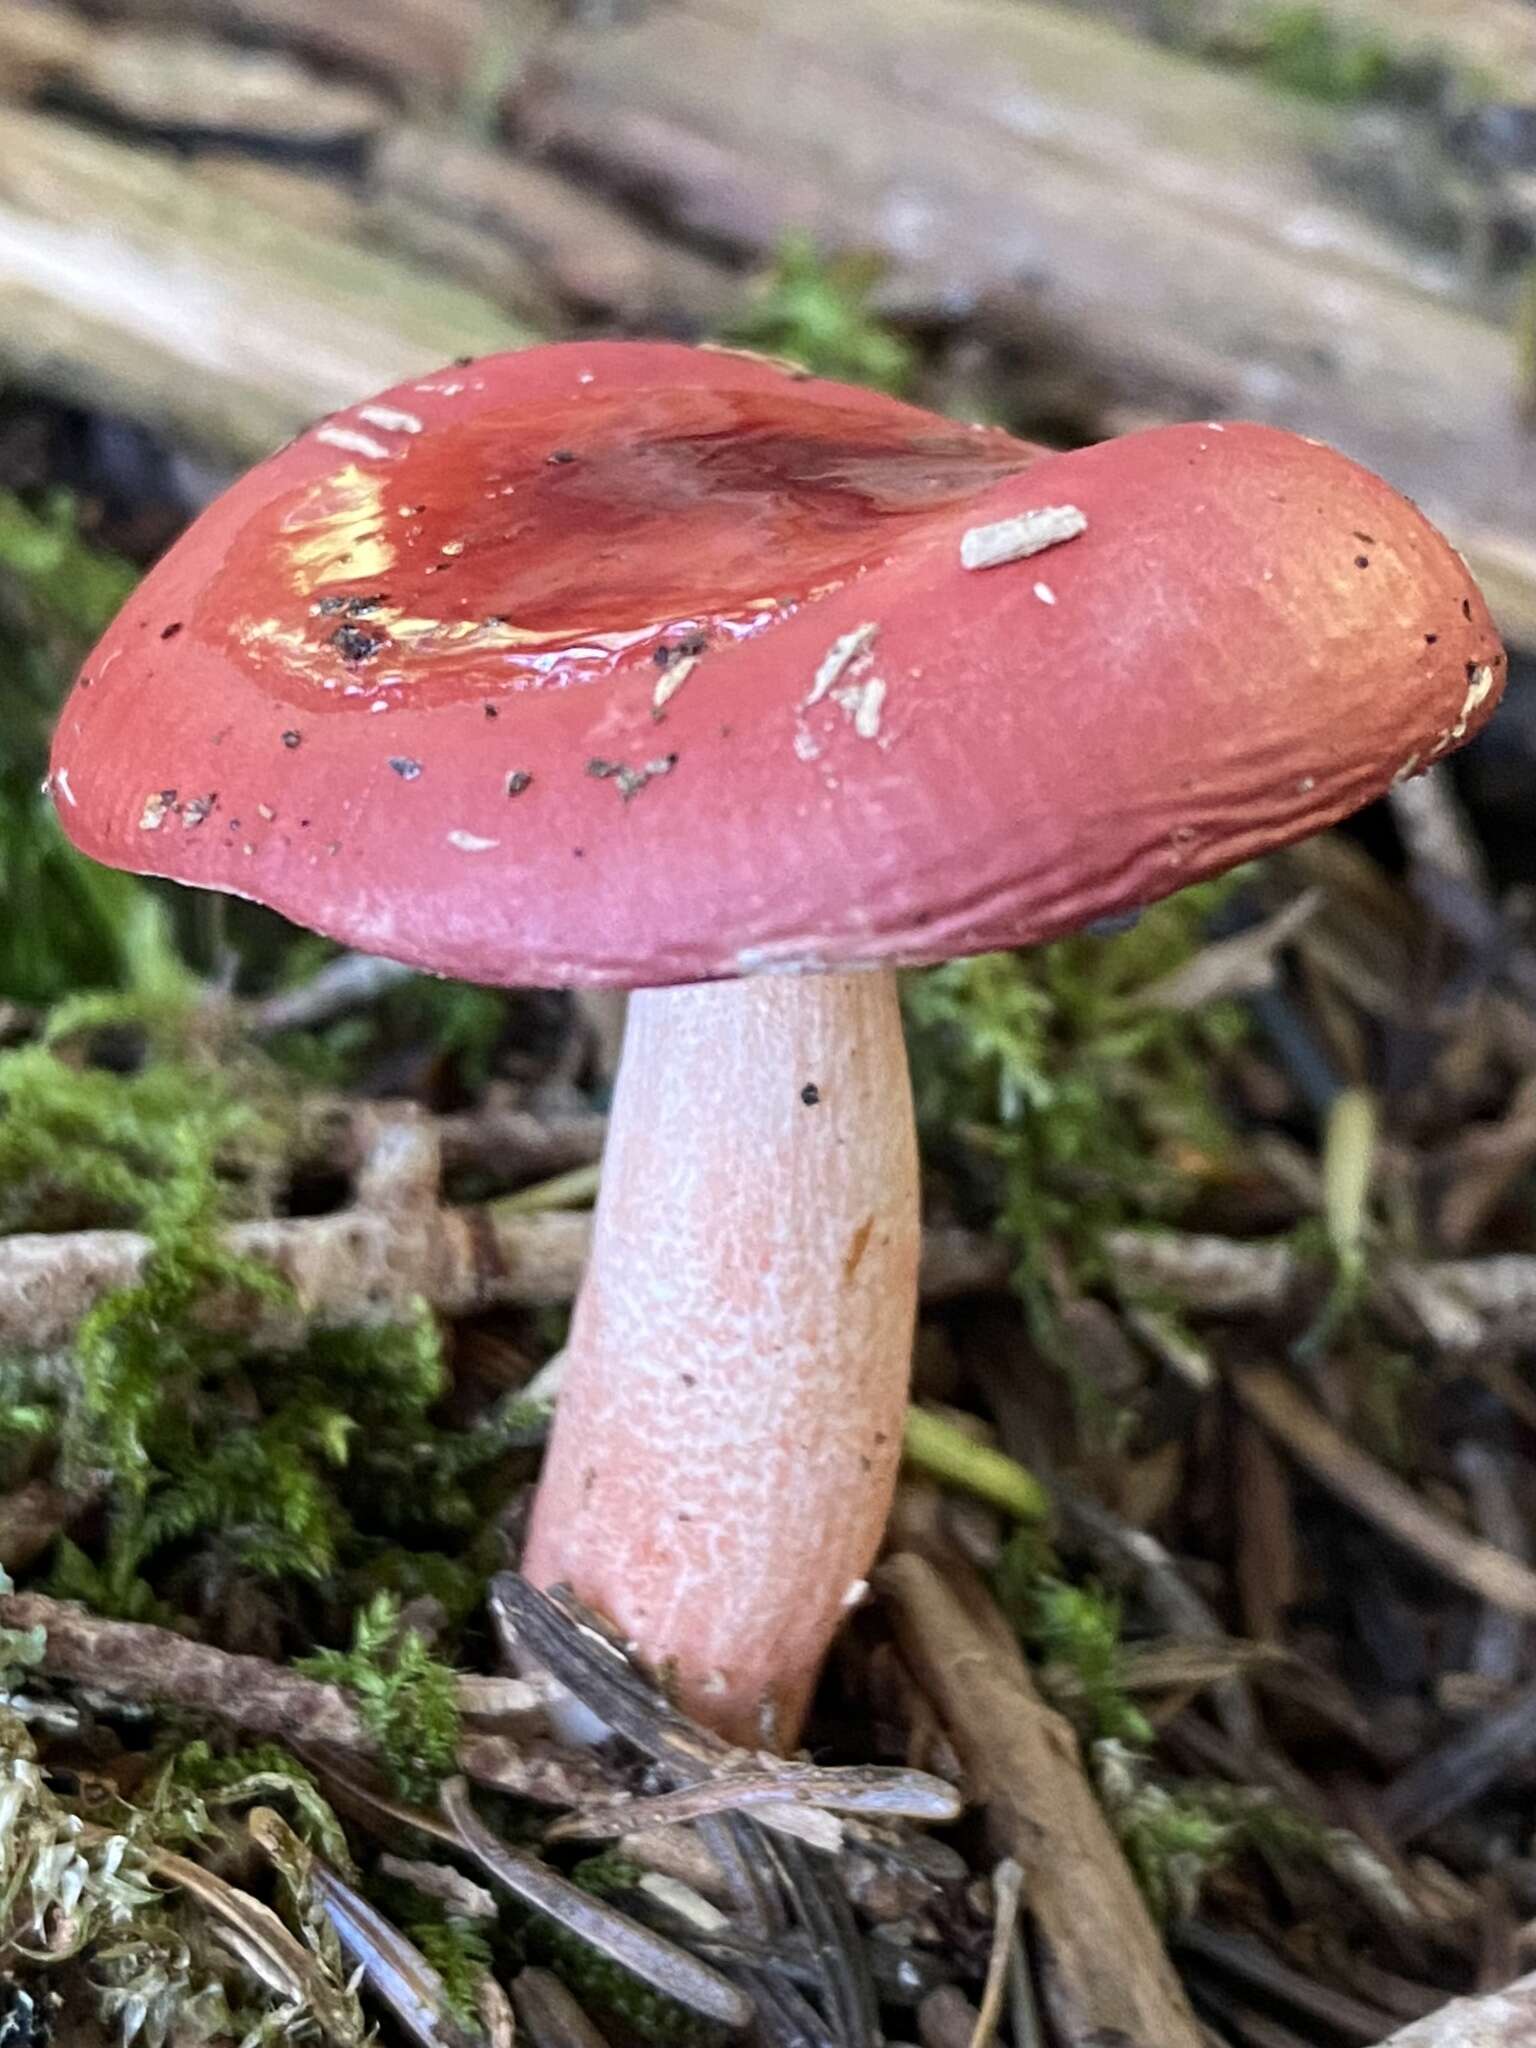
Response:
column 728, row 1433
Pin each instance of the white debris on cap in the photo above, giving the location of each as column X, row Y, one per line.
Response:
column 840, row 657
column 1479, row 689
column 390, row 418
column 672, row 679
column 471, row 842
column 352, row 442
column 1012, row 540
column 1045, row 593
column 863, row 703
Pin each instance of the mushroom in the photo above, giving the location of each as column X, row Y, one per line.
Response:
column 676, row 670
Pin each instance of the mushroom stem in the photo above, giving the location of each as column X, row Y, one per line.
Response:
column 726, row 1445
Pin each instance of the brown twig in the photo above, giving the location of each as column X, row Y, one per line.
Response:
column 1022, row 1763
column 366, row 1265
column 869, row 1788
column 132, row 1660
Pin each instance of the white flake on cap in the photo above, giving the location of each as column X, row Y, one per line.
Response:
column 840, row 657
column 353, row 443
column 863, row 703
column 1013, row 540
column 673, row 677
column 471, row 842
column 390, row 418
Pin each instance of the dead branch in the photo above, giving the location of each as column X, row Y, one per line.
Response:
column 1107, row 1976
column 134, row 1661
column 364, row 1265
column 588, row 253
column 289, row 322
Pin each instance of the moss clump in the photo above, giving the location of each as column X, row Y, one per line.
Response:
column 199, row 1780
column 1079, row 1103
column 405, row 1695
column 814, row 308
column 1304, row 50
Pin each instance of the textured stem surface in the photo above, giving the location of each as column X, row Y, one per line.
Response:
column 728, row 1435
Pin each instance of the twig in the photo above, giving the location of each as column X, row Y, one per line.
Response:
column 855, row 1788
column 1007, row 1892
column 1022, row 1763
column 550, row 2015
column 1211, row 1275
column 133, row 1660
column 659, row 1963
column 364, row 1266
column 1347, row 1472
column 392, row 1967
column 1255, row 1965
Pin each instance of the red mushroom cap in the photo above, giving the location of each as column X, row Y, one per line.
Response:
column 633, row 663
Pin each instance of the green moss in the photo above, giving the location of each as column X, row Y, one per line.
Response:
column 460, row 1952
column 64, row 923
column 1174, row 1840
column 1304, row 50
column 606, row 1987
column 199, row 1777
column 1071, row 1095
column 1077, row 1629
column 814, row 309
column 405, row 1695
